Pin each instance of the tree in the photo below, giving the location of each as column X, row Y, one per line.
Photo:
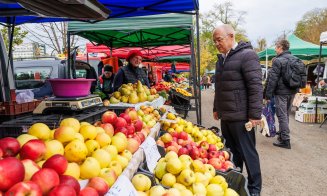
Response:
column 53, row 35
column 262, row 44
column 220, row 14
column 18, row 38
column 312, row 24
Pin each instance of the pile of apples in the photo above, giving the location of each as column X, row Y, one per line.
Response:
column 182, row 176
column 76, row 149
column 25, row 177
column 181, row 144
column 149, row 115
column 194, row 132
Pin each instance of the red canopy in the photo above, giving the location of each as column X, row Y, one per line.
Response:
column 149, row 53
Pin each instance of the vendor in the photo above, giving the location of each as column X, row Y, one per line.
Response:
column 131, row 73
column 107, row 79
column 323, row 82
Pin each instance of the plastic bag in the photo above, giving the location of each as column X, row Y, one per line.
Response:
column 268, row 113
column 25, row 96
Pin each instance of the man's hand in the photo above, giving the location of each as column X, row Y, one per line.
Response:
column 215, row 115
column 322, row 83
column 255, row 122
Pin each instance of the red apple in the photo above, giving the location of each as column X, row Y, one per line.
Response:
column 99, row 184
column 126, row 117
column 222, row 158
column 203, row 152
column 62, row 189
column 213, row 154
column 30, row 168
column 108, row 128
column 70, row 181
column 141, row 136
column 46, row 178
column 175, row 139
column 137, row 139
column 33, row 149
column 228, row 165
column 226, row 155
column 132, row 145
column 138, row 125
column 130, row 129
column 204, row 145
column 172, row 148
column 88, row 191
column 212, row 147
column 57, row 162
column 109, row 117
column 1, row 153
column 11, row 172
column 194, row 153
column 122, row 130
column 9, row 146
column 189, row 147
column 168, row 144
column 205, row 160
column 120, row 122
column 215, row 162
column 25, row 188
column 174, row 134
column 183, row 135
column 182, row 151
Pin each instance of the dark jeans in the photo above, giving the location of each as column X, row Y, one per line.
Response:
column 283, row 105
column 242, row 144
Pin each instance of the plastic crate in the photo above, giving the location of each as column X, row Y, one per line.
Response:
column 13, row 108
column 16, row 127
column 236, row 181
column 117, row 109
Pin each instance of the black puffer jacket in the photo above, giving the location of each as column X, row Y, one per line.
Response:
column 275, row 84
column 238, row 94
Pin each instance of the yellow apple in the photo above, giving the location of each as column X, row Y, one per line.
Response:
column 79, row 137
column 127, row 154
column 157, row 190
column 199, row 189
column 231, row 192
column 75, row 151
column 198, row 166
column 108, row 175
column 64, row 134
column 174, row 166
column 102, row 156
column 168, row 180
column 215, row 190
column 103, row 139
column 71, row 122
column 170, row 155
column 123, row 161
column 112, row 150
column 100, row 130
column 179, row 186
column 88, row 132
column 22, row 139
column 91, row 146
column 40, row 163
column 160, row 169
column 53, row 147
column 120, row 142
column 186, row 192
column 40, row 130
column 30, row 168
column 141, row 182
column 73, row 170
column 90, row 168
column 115, row 165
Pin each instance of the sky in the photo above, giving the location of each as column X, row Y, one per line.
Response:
column 268, row 18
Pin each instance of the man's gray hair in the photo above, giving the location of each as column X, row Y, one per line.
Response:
column 283, row 43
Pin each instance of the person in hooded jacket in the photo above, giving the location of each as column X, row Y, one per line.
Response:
column 238, row 100
column 106, row 80
column 131, row 73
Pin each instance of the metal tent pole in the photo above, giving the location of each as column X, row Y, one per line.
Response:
column 68, row 55
column 319, row 61
column 194, row 77
column 198, row 60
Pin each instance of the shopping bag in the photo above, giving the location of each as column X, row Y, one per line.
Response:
column 268, row 113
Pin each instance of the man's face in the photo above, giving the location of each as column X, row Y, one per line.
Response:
column 136, row 60
column 223, row 41
column 107, row 74
column 278, row 49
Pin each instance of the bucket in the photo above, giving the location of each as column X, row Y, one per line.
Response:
column 71, row 87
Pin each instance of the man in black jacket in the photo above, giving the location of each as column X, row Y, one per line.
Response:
column 238, row 99
column 283, row 94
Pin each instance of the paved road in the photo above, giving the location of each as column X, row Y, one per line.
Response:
column 299, row 171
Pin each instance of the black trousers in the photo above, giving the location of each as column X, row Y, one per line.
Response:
column 242, row 144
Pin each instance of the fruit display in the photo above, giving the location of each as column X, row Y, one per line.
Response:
column 182, row 176
column 52, row 161
column 149, row 115
column 163, row 86
column 133, row 94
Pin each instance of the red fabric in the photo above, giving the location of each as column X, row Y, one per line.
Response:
column 133, row 53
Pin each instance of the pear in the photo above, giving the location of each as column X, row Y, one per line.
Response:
column 133, row 98
column 124, row 99
column 142, row 97
column 113, row 100
column 117, row 95
column 151, row 97
column 125, row 91
column 139, row 87
column 147, row 91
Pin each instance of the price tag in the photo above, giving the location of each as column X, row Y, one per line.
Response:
column 122, row 186
column 151, row 152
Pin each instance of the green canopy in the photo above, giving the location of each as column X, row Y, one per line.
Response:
column 182, row 58
column 141, row 31
column 298, row 47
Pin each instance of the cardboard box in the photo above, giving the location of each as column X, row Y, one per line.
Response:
column 308, row 117
column 310, row 108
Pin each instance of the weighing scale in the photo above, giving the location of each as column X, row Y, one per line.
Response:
column 55, row 104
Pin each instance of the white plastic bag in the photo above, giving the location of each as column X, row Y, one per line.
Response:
column 25, row 96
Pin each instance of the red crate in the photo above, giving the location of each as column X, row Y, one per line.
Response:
column 14, row 108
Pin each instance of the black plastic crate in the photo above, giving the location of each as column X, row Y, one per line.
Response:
column 117, row 109
column 236, row 181
column 16, row 127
